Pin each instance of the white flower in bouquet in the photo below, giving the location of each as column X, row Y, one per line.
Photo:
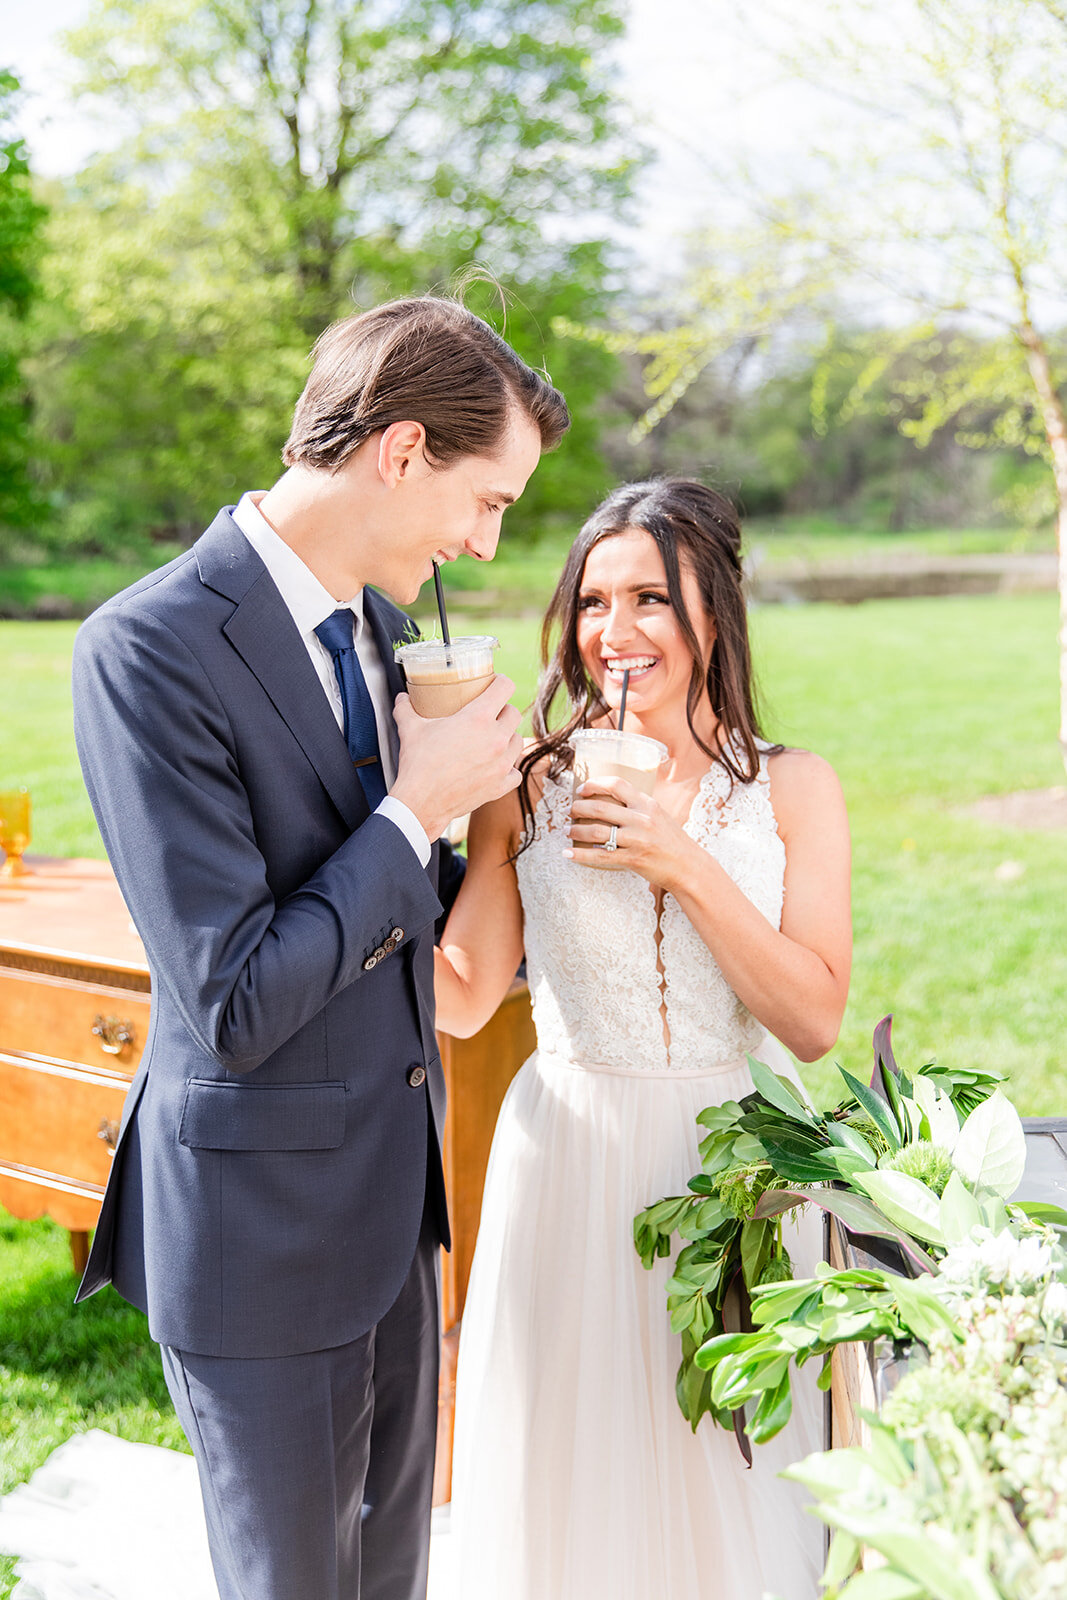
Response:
column 986, row 1260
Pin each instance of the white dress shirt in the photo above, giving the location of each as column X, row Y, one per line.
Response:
column 309, row 604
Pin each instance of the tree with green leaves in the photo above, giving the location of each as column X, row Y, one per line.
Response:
column 937, row 214
column 964, row 211
column 289, row 161
column 21, row 217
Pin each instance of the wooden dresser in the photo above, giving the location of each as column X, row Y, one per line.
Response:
column 74, row 1002
column 74, row 998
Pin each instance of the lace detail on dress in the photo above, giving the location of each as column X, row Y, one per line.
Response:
column 735, row 824
column 591, row 939
column 589, row 936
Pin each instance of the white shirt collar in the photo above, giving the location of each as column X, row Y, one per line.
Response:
column 308, row 602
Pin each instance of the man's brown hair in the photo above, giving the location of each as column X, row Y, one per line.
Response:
column 422, row 360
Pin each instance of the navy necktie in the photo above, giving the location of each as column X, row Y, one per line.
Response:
column 361, row 730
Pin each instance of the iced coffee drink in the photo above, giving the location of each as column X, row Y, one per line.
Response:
column 607, row 753
column 443, row 678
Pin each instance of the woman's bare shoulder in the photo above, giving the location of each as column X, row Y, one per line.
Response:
column 803, row 785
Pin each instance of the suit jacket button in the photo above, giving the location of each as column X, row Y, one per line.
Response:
column 416, row 1076
column 370, row 963
column 396, row 935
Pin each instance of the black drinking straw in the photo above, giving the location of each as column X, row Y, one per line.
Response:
column 441, row 607
column 622, row 702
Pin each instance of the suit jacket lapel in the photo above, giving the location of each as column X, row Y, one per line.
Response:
column 386, row 625
column 263, row 633
column 389, row 623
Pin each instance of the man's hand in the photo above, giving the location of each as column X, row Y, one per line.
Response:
column 451, row 765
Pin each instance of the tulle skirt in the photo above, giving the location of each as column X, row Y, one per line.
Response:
column 575, row 1475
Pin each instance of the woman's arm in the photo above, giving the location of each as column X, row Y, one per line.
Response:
column 481, row 946
column 793, row 980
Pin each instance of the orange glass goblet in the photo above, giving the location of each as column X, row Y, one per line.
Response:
column 14, row 831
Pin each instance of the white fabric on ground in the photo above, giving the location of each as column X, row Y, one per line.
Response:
column 104, row 1519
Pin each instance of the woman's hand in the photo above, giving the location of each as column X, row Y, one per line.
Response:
column 648, row 841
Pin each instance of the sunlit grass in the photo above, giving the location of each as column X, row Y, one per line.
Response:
column 65, row 1370
column 922, row 706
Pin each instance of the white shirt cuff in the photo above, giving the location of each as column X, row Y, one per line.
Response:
column 409, row 825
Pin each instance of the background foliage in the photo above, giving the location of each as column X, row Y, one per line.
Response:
column 21, row 218
column 286, row 164
column 283, row 163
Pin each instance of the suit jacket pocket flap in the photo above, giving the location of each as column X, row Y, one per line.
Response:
column 238, row 1116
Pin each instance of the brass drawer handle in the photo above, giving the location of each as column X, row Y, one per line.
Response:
column 109, row 1132
column 114, row 1034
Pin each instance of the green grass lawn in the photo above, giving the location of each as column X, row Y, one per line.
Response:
column 921, row 705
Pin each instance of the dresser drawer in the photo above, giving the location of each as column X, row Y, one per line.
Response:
column 52, row 1117
column 72, row 1021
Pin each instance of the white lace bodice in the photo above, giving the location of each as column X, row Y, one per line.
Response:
column 591, row 940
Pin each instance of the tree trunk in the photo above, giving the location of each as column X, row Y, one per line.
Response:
column 1055, row 420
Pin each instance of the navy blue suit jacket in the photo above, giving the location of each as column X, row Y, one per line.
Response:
column 274, row 1160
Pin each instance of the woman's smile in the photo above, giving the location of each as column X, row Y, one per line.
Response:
column 637, row 666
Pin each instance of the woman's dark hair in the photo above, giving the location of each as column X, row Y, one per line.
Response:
column 689, row 522
column 424, row 360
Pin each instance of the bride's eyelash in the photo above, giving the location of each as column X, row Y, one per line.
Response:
column 587, row 600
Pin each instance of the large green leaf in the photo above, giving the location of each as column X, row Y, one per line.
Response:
column 756, row 1240
column 939, row 1112
column 748, row 1150
column 766, row 1121
column 798, row 1163
column 842, row 1560
column 845, row 1163
column 960, row 1211
column 944, row 1575
column 882, row 1585
column 719, row 1117
column 1040, row 1211
column 875, row 1107
column 892, row 1094
column 827, row 1473
column 790, row 1299
column 840, row 1133
column 772, row 1413
column 724, row 1344
column 778, row 1091
column 905, row 1201
column 991, row 1150
column 856, row 1212
column 923, row 1312
column 883, row 1050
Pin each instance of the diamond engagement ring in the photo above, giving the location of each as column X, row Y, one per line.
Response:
column 613, row 838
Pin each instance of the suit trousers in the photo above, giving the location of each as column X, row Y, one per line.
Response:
column 317, row 1469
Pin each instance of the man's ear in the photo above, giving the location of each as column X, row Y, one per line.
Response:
column 401, row 447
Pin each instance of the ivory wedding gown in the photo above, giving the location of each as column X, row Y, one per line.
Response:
column 575, row 1475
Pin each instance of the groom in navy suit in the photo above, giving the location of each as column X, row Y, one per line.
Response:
column 273, row 810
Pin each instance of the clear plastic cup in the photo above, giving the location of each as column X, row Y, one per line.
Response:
column 609, row 753
column 443, row 678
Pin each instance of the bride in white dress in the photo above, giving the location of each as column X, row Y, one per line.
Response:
column 718, row 925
